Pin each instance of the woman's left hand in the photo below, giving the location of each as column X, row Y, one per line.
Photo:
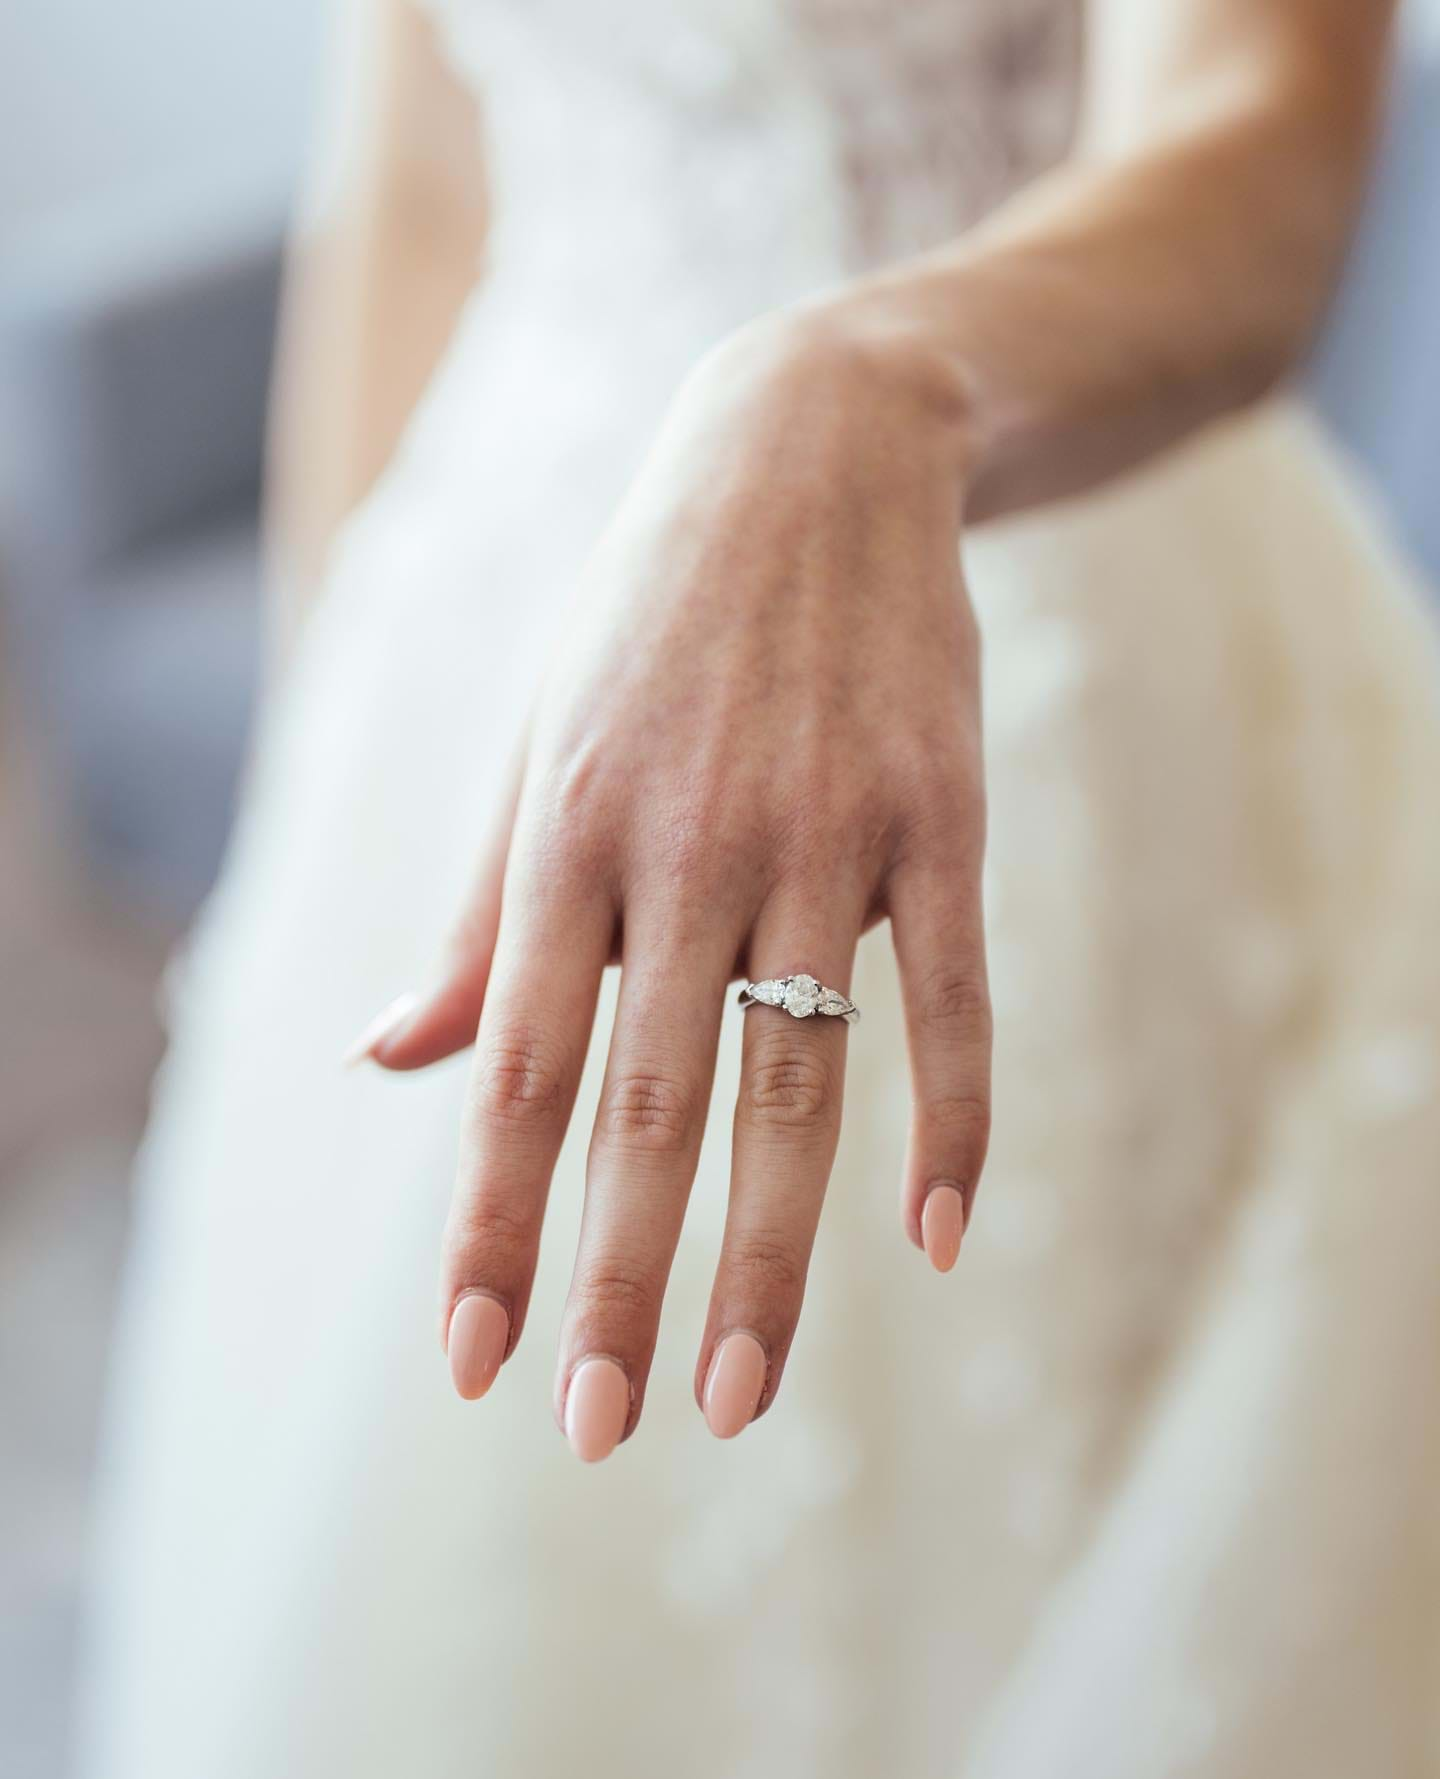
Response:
column 763, row 736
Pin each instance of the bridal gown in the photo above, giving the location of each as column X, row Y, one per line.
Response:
column 1150, row 1485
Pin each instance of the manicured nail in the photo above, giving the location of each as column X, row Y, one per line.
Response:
column 597, row 1407
column 734, row 1385
column 384, row 1025
column 942, row 1223
column 479, row 1334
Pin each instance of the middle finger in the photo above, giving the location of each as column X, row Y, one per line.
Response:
column 643, row 1155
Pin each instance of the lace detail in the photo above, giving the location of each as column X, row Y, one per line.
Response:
column 882, row 128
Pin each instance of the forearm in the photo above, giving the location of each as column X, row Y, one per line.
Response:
column 1121, row 302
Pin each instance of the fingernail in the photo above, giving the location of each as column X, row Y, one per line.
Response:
column 942, row 1223
column 479, row 1334
column 384, row 1025
column 734, row 1385
column 597, row 1407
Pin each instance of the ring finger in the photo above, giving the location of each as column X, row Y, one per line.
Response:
column 787, row 1125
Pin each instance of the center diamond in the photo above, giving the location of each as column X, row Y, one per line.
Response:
column 802, row 996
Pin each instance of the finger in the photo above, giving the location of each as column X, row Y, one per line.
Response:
column 642, row 1164
column 529, row 1053
column 936, row 917
column 787, row 1124
column 418, row 1029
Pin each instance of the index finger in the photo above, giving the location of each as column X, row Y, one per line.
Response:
column 530, row 1049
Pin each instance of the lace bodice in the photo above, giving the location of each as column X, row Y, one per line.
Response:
column 794, row 141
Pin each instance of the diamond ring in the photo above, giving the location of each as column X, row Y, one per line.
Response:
column 799, row 996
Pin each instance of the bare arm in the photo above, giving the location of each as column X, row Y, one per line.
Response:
column 1172, row 268
column 386, row 251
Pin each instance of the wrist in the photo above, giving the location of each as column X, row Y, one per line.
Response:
column 863, row 372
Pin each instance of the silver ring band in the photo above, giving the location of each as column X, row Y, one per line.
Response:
column 799, row 996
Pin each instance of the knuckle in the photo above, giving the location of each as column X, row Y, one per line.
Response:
column 486, row 1235
column 807, row 792
column 616, row 1290
column 569, row 825
column 963, row 1114
column 955, row 996
column 700, row 859
column 797, row 802
column 648, row 1111
column 566, row 863
column 944, row 760
column 520, row 1078
column 767, row 1268
column 932, row 793
column 685, row 845
column 941, row 811
column 790, row 1088
column 815, row 821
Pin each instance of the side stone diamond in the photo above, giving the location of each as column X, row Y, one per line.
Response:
column 771, row 993
column 830, row 1002
column 802, row 996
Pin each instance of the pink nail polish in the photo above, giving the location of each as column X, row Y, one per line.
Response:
column 942, row 1223
column 479, row 1334
column 734, row 1384
column 384, row 1025
column 597, row 1406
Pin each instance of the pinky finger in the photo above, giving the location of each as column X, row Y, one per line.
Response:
column 939, row 941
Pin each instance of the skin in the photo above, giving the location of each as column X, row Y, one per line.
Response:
column 797, row 519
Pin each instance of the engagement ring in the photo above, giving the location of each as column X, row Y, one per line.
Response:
column 799, row 996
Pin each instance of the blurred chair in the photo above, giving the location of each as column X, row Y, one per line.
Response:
column 134, row 359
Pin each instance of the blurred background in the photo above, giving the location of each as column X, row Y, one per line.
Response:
column 147, row 157
column 148, row 153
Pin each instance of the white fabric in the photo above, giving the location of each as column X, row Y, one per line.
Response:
column 1147, row 1487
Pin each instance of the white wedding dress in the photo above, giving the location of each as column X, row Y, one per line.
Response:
column 1150, row 1486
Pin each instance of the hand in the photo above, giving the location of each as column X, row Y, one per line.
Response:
column 763, row 737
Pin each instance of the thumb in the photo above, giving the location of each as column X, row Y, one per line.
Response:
column 416, row 1030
